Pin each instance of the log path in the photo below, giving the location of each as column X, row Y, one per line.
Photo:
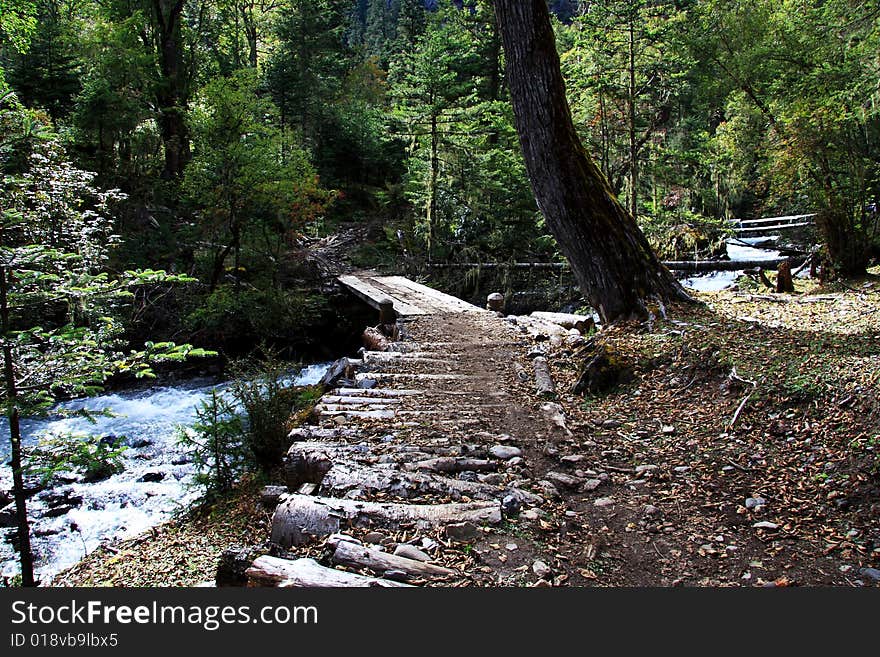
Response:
column 424, row 445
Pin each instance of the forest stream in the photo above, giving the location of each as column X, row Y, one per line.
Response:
column 70, row 520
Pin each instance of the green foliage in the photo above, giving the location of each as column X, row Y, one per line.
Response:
column 240, row 317
column 248, row 189
column 94, row 457
column 215, row 442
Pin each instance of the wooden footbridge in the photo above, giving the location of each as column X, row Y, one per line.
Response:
column 409, row 298
column 418, row 445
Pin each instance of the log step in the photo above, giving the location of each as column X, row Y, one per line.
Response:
column 300, row 518
column 308, row 573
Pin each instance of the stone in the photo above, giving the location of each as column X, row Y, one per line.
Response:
column 515, row 461
column 374, row 538
column 395, row 575
column 505, row 452
column 511, row 504
column 870, row 573
column 530, row 514
column 764, row 524
column 591, row 484
column 511, row 547
column 8, row 517
column 641, row 469
column 572, row 458
column 755, row 502
column 610, row 424
column 681, row 469
column 651, row 510
column 152, row 476
column 183, row 459
column 603, row 502
column 548, row 489
column 563, row 480
column 462, row 532
column 495, row 302
column 411, row 552
column 541, row 569
column 270, row 495
column 367, row 383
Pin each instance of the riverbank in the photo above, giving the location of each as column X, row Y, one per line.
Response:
column 743, row 451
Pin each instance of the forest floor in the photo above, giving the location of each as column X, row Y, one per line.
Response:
column 743, row 450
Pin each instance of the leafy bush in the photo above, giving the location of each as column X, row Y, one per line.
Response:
column 94, row 457
column 270, row 406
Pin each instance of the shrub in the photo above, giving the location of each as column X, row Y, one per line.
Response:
column 215, row 442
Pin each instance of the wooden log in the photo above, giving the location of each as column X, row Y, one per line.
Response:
column 299, row 518
column 453, row 464
column 361, row 556
column 566, row 320
column 308, row 573
column 696, row 266
column 543, row 381
column 375, row 341
column 306, row 466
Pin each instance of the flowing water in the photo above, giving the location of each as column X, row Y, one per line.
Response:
column 71, row 520
column 739, row 249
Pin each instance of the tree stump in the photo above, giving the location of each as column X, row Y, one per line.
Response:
column 784, row 281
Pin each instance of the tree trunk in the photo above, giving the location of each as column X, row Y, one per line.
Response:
column 615, row 267
column 26, row 558
column 170, row 94
column 845, row 244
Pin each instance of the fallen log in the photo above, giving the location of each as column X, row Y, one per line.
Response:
column 543, row 381
column 299, row 518
column 725, row 265
column 308, row 573
column 451, row 464
column 566, row 320
column 339, row 469
column 374, row 340
column 360, row 556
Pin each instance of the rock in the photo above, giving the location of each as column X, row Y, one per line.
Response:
column 493, row 479
column 563, row 480
column 572, row 458
column 367, row 383
column 140, row 443
column 152, row 476
column 374, row 538
column 541, row 569
column 270, row 495
column 547, row 489
column 495, row 302
column 505, row 452
column 511, row 547
column 8, row 517
column 340, row 420
column 515, row 461
column 871, row 573
column 183, row 459
column 511, row 504
column 233, row 564
column 641, row 469
column 530, row 514
column 411, row 552
column 651, row 510
column 610, row 424
column 591, row 484
column 681, row 469
column 755, row 502
column 603, row 502
column 462, row 532
column 764, row 524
